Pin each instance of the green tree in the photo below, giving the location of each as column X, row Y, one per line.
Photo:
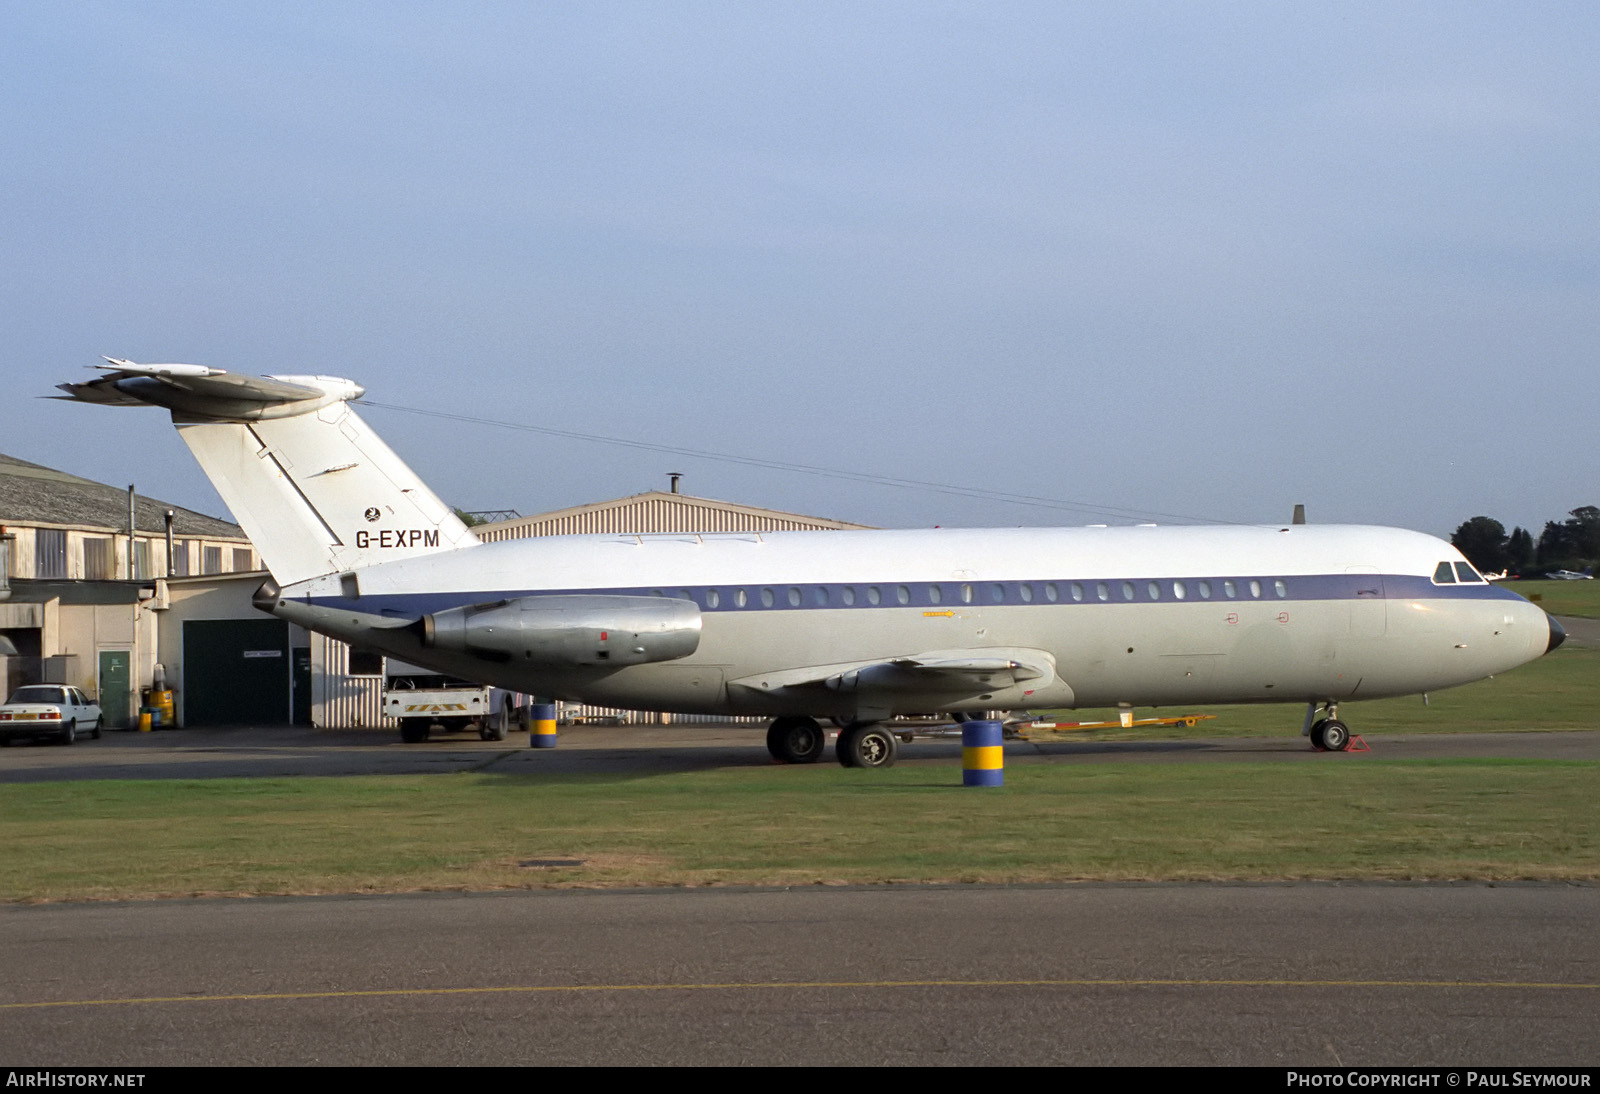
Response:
column 1483, row 541
column 1519, row 551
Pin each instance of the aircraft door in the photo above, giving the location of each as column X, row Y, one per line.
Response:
column 1369, row 610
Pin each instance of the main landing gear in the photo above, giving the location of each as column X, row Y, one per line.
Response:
column 1327, row 733
column 797, row 740
column 866, row 745
column 802, row 740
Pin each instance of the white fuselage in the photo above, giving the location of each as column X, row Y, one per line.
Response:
column 1136, row 615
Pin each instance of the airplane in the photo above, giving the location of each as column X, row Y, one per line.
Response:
column 855, row 626
column 1569, row 575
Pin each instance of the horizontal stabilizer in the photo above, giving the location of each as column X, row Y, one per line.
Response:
column 199, row 393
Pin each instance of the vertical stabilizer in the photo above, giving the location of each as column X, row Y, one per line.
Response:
column 315, row 489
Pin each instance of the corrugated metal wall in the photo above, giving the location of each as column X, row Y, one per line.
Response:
column 655, row 514
column 337, row 698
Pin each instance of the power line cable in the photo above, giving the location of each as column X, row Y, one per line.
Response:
column 1113, row 512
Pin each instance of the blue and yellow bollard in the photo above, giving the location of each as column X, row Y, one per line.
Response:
column 542, row 725
column 982, row 755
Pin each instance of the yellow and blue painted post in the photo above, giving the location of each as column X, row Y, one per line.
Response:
column 542, row 730
column 982, row 755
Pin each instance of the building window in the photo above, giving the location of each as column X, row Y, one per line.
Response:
column 212, row 560
column 180, row 558
column 142, row 567
column 243, row 560
column 99, row 560
column 50, row 553
column 364, row 662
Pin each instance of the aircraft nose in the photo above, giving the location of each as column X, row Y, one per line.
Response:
column 1558, row 634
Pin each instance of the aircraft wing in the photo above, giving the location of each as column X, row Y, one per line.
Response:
column 938, row 672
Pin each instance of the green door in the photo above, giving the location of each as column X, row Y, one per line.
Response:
column 114, row 686
column 235, row 672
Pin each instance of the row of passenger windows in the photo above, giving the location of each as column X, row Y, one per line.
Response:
column 996, row 592
column 1463, row 574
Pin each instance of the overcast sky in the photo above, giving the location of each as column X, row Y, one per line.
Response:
column 1160, row 261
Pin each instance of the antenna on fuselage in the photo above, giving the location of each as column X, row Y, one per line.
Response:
column 1299, row 514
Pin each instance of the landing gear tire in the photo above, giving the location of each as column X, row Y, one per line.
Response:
column 413, row 731
column 796, row 740
column 99, row 724
column 1335, row 735
column 867, row 746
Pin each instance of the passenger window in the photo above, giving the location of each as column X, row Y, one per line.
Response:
column 997, row 593
column 1281, row 589
column 1077, row 591
column 902, row 594
column 1178, row 591
column 1127, row 590
column 1154, row 589
column 1255, row 590
column 873, row 595
column 1444, row 575
column 820, row 596
column 713, row 598
column 1026, row 592
column 1204, row 589
column 766, row 598
column 1228, row 590
column 935, row 594
column 966, row 594
column 740, row 597
column 1050, row 592
column 1101, row 591
column 848, row 595
column 794, row 597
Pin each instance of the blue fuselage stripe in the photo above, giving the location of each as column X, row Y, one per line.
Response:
column 954, row 595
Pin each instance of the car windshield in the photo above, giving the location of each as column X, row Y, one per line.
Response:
column 37, row 695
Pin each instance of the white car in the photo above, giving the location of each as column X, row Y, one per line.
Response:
column 49, row 710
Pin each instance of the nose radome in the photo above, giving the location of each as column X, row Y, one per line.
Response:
column 1558, row 634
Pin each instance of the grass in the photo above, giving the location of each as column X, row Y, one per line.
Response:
column 1579, row 598
column 1340, row 817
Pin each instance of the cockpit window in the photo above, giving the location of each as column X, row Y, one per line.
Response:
column 1444, row 575
column 1466, row 574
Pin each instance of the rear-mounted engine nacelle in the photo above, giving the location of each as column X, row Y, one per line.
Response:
column 569, row 630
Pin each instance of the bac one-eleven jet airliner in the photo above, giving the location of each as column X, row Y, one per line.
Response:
column 855, row 626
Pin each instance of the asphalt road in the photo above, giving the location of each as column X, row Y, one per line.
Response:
column 1305, row 974
column 294, row 750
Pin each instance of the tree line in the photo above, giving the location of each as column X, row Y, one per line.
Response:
column 1571, row 544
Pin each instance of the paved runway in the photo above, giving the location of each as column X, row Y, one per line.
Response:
column 294, row 750
column 1304, row 974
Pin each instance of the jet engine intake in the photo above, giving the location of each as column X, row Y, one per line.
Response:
column 569, row 630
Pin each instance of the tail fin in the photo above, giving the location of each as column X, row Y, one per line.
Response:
column 312, row 486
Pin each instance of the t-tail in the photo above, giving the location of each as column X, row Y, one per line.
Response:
column 313, row 487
